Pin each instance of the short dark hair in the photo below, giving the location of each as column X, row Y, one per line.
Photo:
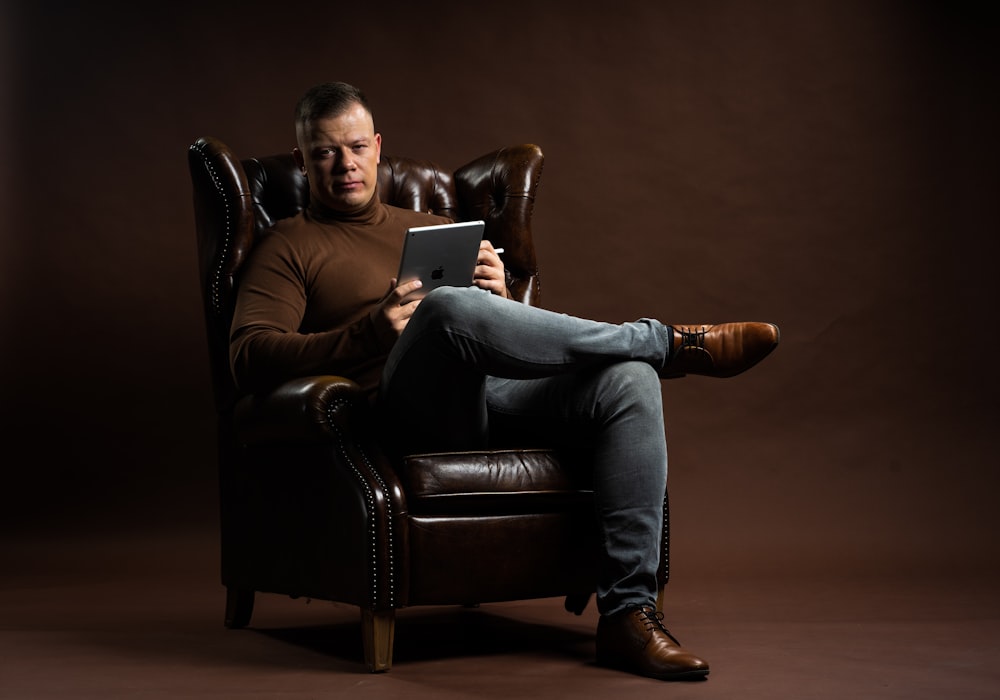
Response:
column 328, row 100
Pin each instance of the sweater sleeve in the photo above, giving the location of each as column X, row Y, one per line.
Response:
column 267, row 343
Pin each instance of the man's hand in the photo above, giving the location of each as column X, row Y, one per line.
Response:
column 393, row 313
column 490, row 270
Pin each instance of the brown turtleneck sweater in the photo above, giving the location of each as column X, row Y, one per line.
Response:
column 307, row 294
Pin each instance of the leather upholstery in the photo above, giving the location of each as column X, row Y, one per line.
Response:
column 481, row 483
column 310, row 504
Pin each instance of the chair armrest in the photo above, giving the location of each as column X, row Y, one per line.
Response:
column 308, row 447
column 306, row 409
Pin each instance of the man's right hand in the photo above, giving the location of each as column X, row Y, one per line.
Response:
column 393, row 312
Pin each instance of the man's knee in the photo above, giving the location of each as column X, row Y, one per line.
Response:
column 447, row 307
column 632, row 377
column 631, row 383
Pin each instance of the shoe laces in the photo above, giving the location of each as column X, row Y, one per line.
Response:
column 692, row 338
column 654, row 621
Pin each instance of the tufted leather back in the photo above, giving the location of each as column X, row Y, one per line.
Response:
column 236, row 201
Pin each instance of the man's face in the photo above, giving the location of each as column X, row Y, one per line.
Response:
column 340, row 157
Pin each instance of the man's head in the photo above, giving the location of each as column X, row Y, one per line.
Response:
column 338, row 149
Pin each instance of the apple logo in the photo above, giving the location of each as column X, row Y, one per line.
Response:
column 437, row 273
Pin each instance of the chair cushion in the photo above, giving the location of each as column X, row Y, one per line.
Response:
column 494, row 481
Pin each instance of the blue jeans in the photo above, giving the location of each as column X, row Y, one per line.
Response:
column 474, row 370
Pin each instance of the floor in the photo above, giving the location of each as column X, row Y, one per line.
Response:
column 140, row 616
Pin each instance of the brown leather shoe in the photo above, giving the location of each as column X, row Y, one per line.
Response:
column 723, row 350
column 635, row 640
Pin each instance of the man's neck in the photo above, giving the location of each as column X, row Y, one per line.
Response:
column 365, row 214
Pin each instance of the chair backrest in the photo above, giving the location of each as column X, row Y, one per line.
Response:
column 236, row 201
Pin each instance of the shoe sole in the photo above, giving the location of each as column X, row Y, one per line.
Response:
column 679, row 676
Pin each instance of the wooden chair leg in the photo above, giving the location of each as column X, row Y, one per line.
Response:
column 659, row 599
column 378, row 628
column 239, row 607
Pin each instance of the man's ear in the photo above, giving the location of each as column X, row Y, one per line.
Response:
column 299, row 160
column 378, row 148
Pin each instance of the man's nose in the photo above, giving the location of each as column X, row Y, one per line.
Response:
column 345, row 159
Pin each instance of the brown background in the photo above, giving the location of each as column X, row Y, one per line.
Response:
column 830, row 166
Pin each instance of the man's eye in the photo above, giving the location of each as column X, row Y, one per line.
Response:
column 324, row 152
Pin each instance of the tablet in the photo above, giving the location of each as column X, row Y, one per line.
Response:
column 441, row 255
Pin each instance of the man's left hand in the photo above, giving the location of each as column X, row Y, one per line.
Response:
column 490, row 270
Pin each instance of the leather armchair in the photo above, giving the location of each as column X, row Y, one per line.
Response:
column 310, row 504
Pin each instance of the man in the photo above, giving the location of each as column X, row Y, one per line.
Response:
column 318, row 297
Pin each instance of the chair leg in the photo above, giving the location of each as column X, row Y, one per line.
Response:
column 659, row 599
column 239, row 607
column 378, row 628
